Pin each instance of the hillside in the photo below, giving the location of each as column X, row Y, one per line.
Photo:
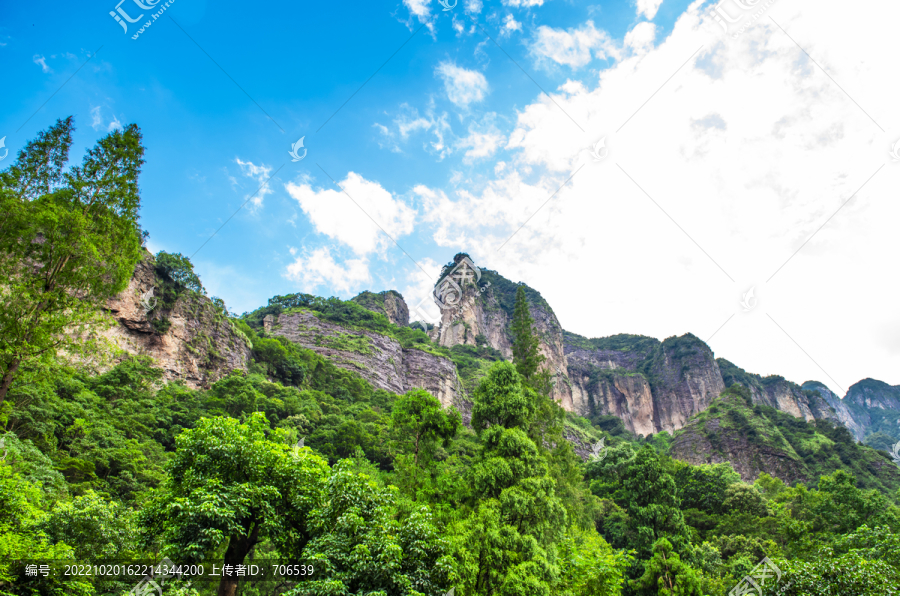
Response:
column 756, row 438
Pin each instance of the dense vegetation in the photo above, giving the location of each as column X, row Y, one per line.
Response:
column 300, row 461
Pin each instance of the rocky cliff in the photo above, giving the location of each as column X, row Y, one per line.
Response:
column 192, row 339
column 477, row 310
column 651, row 385
column 377, row 358
column 389, row 303
column 757, row 438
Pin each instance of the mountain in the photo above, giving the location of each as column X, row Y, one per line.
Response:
column 650, row 385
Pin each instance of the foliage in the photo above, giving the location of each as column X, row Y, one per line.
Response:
column 501, row 400
column 178, row 268
column 68, row 241
column 526, row 345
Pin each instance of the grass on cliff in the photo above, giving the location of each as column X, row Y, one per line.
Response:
column 817, row 448
column 471, row 362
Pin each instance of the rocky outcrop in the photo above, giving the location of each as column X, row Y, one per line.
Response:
column 707, row 441
column 377, row 358
column 778, row 393
column 840, row 408
column 478, row 310
column 200, row 345
column 652, row 386
column 389, row 303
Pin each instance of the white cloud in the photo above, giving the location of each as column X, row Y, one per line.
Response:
column 510, row 24
column 482, row 141
column 260, row 174
column 525, row 3
column 319, row 269
column 572, row 47
column 750, row 148
column 463, row 86
column 334, row 213
column 474, row 6
column 97, row 120
column 648, row 8
column 42, row 62
column 408, row 122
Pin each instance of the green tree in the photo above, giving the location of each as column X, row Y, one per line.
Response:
column 68, row 241
column 526, row 345
column 501, row 400
column 179, row 269
column 361, row 546
column 665, row 574
column 419, row 426
column 228, row 482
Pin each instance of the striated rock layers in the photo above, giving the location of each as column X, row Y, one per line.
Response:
column 389, row 303
column 200, row 345
column 379, row 359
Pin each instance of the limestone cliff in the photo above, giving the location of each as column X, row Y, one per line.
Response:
column 199, row 344
column 478, row 309
column 390, row 303
column 651, row 385
column 377, row 358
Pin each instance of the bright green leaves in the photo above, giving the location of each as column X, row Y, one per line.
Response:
column 362, row 547
column 228, row 481
column 64, row 248
column 501, row 400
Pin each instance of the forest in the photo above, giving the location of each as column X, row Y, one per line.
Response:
column 338, row 488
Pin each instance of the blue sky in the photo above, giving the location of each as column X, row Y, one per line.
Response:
column 450, row 147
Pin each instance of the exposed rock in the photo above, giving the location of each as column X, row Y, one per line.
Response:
column 776, row 392
column 389, row 303
column 651, row 386
column 200, row 346
column 839, row 407
column 694, row 444
column 377, row 358
column 481, row 309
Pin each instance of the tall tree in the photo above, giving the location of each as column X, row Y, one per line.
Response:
column 526, row 345
column 68, row 241
column 229, row 483
column 420, row 425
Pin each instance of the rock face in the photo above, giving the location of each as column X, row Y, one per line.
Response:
column 478, row 311
column 379, row 359
column 652, row 386
column 389, row 303
column 841, row 409
column 200, row 346
column 776, row 392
